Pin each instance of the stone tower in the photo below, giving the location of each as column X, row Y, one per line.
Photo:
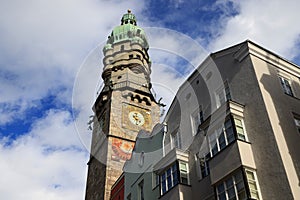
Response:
column 124, row 106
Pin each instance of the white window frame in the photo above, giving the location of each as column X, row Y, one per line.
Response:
column 242, row 127
column 184, row 173
column 255, row 180
column 234, row 185
column 165, row 181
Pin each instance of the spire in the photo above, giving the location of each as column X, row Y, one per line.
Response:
column 128, row 18
column 128, row 30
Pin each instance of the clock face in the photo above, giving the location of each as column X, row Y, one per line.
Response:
column 136, row 118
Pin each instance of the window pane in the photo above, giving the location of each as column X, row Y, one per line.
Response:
column 220, row 188
column 229, row 183
column 254, row 195
column 222, row 142
column 222, row 196
column 252, row 185
column 250, row 175
column 238, row 122
column 242, row 195
column 182, row 166
column 175, row 178
column 231, row 193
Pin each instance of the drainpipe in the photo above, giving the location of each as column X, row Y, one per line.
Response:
column 163, row 142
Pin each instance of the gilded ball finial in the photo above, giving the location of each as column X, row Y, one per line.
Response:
column 129, row 11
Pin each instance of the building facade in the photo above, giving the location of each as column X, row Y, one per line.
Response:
column 232, row 130
column 124, row 106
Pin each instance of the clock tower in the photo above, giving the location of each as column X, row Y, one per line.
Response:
column 124, row 106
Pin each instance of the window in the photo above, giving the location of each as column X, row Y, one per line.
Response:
column 297, row 122
column 183, row 168
column 141, row 190
column 240, row 130
column 197, row 119
column 130, row 56
column 224, row 135
column 204, row 167
column 176, row 139
column 286, row 86
column 138, row 56
column 155, row 180
column 171, row 176
column 221, row 137
column 252, row 183
column 232, row 188
column 222, row 95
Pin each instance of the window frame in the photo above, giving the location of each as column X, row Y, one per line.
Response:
column 176, row 174
column 286, row 85
column 197, row 118
column 214, row 137
column 226, row 189
column 297, row 123
column 242, row 127
column 224, row 92
column 255, row 180
column 176, row 139
column 141, row 193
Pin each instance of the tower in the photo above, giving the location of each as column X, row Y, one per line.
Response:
column 124, row 106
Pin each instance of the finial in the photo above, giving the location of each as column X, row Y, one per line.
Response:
column 129, row 11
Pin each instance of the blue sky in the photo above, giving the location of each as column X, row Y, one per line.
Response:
column 50, row 65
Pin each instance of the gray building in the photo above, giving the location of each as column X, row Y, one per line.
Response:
column 140, row 181
column 232, row 131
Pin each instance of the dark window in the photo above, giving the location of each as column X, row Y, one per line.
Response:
column 286, row 86
column 297, row 123
column 141, row 190
column 171, row 176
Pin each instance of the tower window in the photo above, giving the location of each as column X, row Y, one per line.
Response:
column 286, row 86
column 138, row 56
column 130, row 56
column 122, row 47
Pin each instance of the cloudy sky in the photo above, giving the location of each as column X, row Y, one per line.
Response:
column 51, row 64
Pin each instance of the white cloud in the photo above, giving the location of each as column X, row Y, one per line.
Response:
column 43, row 43
column 271, row 24
column 47, row 163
